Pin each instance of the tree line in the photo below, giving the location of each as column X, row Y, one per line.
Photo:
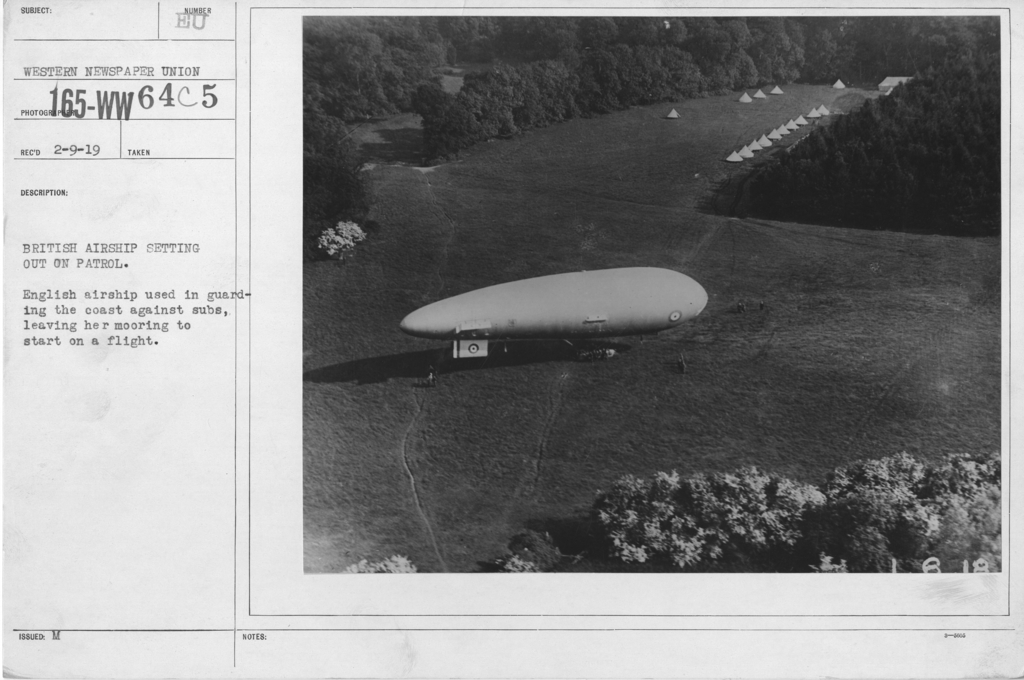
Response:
column 370, row 66
column 872, row 516
column 357, row 67
column 926, row 158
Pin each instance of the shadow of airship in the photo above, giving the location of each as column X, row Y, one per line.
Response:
column 416, row 365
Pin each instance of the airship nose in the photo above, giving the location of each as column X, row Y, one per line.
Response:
column 423, row 323
column 695, row 298
column 412, row 324
column 699, row 297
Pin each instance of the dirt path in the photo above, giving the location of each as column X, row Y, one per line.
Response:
column 404, row 448
column 420, row 399
column 703, row 245
column 445, row 218
column 556, row 396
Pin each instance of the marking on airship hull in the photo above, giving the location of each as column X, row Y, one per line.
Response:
column 675, row 316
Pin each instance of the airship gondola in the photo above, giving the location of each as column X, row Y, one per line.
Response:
column 572, row 306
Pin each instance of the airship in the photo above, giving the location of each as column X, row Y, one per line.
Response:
column 575, row 306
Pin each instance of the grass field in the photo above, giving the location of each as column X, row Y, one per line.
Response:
column 871, row 342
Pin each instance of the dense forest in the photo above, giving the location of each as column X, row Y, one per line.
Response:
column 357, row 67
column 535, row 71
column 926, row 158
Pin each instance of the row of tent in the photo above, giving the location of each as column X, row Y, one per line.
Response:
column 760, row 95
column 775, row 135
column 746, row 98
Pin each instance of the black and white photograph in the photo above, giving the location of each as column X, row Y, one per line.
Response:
column 648, row 294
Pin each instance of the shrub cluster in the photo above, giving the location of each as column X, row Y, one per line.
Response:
column 864, row 517
column 747, row 518
column 340, row 239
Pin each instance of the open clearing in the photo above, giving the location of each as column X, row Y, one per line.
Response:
column 871, row 342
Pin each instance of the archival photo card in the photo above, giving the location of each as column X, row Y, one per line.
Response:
column 582, row 340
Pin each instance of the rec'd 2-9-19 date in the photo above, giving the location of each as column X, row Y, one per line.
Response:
column 117, row 105
column 74, row 150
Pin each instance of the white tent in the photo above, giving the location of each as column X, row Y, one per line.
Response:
column 734, row 158
column 754, row 146
column 839, row 85
column 776, row 90
column 760, row 95
column 672, row 114
column 823, row 111
column 764, row 141
column 746, row 98
column 783, row 131
column 774, row 134
column 814, row 114
column 791, row 125
column 801, row 121
column 746, row 153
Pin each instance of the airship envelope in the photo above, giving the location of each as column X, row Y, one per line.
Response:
column 603, row 303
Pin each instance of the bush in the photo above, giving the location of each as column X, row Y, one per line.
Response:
column 748, row 517
column 340, row 239
column 530, row 551
column 640, row 523
column 741, row 518
column 896, row 508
